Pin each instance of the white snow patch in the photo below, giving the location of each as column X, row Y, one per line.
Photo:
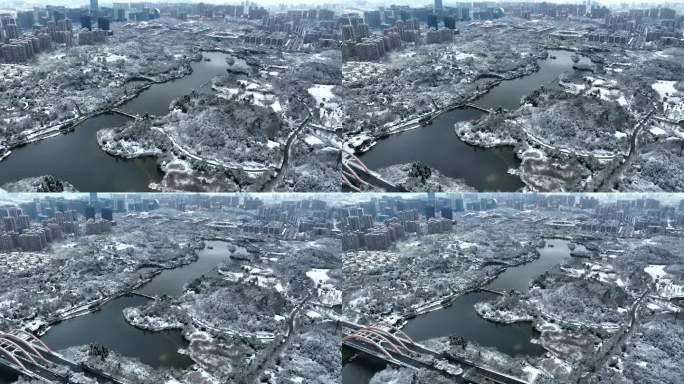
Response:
column 318, row 275
column 658, row 131
column 313, row 140
column 664, row 88
column 655, row 271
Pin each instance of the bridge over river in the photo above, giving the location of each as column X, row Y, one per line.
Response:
column 395, row 347
column 26, row 355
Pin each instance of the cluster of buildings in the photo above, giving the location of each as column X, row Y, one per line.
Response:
column 376, row 238
column 627, row 28
column 389, row 16
column 17, row 48
column 399, row 25
column 273, row 228
column 367, row 49
column 98, row 226
column 295, row 20
column 31, row 226
column 362, row 232
column 301, row 219
column 27, row 33
column 630, row 217
column 631, row 27
column 377, row 224
column 90, row 37
column 296, row 29
column 439, row 225
column 19, row 233
column 287, row 30
column 359, row 44
column 21, row 50
column 196, row 201
column 408, row 30
column 655, row 26
column 439, row 36
column 190, row 11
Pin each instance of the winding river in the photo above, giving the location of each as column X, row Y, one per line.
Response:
column 460, row 318
column 438, row 146
column 76, row 157
column 108, row 326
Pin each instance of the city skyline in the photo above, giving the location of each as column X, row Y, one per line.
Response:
column 366, row 5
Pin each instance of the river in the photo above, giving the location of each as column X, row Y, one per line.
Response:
column 108, row 326
column 76, row 157
column 460, row 318
column 438, row 146
column 7, row 377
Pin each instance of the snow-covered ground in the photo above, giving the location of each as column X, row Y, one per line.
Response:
column 664, row 88
column 327, row 292
column 123, row 148
column 603, row 273
column 135, row 317
column 22, row 261
column 331, row 112
column 666, row 287
column 657, row 131
column 258, row 94
column 673, row 100
column 313, row 140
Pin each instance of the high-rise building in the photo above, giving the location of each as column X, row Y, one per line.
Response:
column 8, row 28
column 432, row 21
column 438, row 5
column 447, row 213
column 450, row 22
column 119, row 14
column 25, row 20
column 10, row 224
column 106, row 214
column 90, row 212
column 458, row 205
column 429, row 211
column 86, row 22
column 372, row 18
column 103, row 23
column 93, row 7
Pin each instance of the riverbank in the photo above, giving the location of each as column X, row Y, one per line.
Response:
column 64, row 127
column 417, row 177
column 536, row 171
column 425, row 120
column 42, row 327
column 446, row 301
column 234, row 136
column 515, row 350
column 44, row 183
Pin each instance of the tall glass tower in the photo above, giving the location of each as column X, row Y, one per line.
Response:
column 438, row 5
